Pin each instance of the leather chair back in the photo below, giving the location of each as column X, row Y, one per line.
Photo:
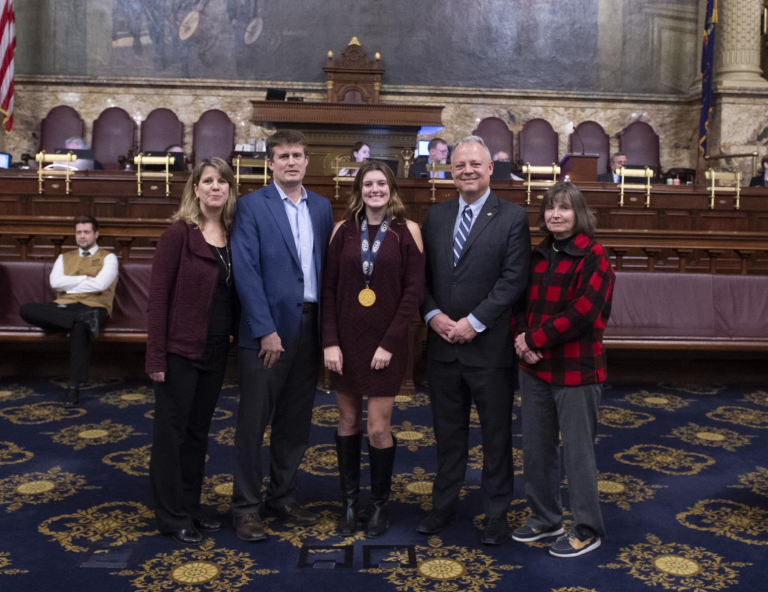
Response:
column 641, row 145
column 62, row 122
column 160, row 129
column 213, row 135
column 589, row 137
column 496, row 134
column 538, row 143
column 113, row 136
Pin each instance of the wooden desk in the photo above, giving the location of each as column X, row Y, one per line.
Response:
column 110, row 194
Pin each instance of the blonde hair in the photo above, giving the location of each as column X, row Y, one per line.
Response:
column 189, row 210
column 356, row 207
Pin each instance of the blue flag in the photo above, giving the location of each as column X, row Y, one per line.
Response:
column 707, row 71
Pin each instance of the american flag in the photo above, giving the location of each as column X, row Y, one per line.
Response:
column 7, row 48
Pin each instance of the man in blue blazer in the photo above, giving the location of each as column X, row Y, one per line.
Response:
column 279, row 240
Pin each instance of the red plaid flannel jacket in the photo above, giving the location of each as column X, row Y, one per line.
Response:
column 567, row 311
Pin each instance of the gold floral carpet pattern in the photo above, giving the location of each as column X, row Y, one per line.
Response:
column 682, row 478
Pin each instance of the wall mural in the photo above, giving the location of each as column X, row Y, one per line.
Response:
column 527, row 44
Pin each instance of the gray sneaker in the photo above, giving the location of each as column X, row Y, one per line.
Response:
column 526, row 534
column 569, row 545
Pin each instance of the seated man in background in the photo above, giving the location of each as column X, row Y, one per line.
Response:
column 84, row 280
column 761, row 180
column 76, row 143
column 502, row 156
column 438, row 152
column 618, row 160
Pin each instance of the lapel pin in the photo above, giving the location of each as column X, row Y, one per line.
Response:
column 490, row 214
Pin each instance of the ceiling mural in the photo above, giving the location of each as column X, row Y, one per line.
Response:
column 580, row 45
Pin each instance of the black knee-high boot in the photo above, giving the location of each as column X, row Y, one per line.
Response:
column 348, row 452
column 382, row 463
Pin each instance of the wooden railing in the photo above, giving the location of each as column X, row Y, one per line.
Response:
column 25, row 238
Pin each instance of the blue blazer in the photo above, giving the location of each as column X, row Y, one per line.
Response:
column 266, row 264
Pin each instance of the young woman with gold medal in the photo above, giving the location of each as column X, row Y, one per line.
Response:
column 373, row 284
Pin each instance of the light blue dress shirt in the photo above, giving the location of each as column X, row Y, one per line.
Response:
column 303, row 236
column 476, row 208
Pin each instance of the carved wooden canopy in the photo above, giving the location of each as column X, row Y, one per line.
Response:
column 353, row 78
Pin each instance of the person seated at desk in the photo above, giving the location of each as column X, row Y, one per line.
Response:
column 84, row 280
column 77, row 144
column 360, row 153
column 438, row 152
column 502, row 156
column 761, row 180
column 180, row 163
column 618, row 160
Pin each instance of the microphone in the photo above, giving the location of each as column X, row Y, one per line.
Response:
column 576, row 133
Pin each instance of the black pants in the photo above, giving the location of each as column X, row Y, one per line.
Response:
column 184, row 406
column 286, row 394
column 67, row 317
column 452, row 388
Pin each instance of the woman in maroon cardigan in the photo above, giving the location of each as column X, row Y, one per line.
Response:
column 560, row 344
column 373, row 284
column 191, row 315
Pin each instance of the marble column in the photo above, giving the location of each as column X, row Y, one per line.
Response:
column 738, row 45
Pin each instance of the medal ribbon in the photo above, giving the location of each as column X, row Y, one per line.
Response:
column 369, row 252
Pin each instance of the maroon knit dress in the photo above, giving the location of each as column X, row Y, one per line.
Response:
column 397, row 280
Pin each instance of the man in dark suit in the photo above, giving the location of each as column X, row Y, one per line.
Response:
column 761, row 180
column 618, row 160
column 478, row 251
column 438, row 153
column 279, row 241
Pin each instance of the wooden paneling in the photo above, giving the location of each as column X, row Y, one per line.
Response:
column 114, row 194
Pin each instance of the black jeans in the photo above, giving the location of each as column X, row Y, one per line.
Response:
column 184, row 406
column 67, row 317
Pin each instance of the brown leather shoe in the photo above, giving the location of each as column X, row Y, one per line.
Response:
column 292, row 512
column 249, row 527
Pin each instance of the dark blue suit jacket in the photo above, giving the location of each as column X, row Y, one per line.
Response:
column 266, row 264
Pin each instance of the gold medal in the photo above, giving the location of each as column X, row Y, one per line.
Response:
column 366, row 297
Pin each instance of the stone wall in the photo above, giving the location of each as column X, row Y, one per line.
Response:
column 675, row 119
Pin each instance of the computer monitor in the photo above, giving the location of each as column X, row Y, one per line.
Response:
column 82, row 154
column 86, row 161
column 391, row 163
column 423, row 148
column 501, row 170
column 5, row 160
column 276, row 94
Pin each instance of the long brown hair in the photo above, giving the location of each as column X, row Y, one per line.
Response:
column 356, row 208
column 189, row 209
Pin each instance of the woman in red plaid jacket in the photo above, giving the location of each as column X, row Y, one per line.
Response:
column 559, row 341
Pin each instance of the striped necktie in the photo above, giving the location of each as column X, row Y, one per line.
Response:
column 461, row 234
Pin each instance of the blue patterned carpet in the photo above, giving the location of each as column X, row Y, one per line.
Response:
column 683, row 481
